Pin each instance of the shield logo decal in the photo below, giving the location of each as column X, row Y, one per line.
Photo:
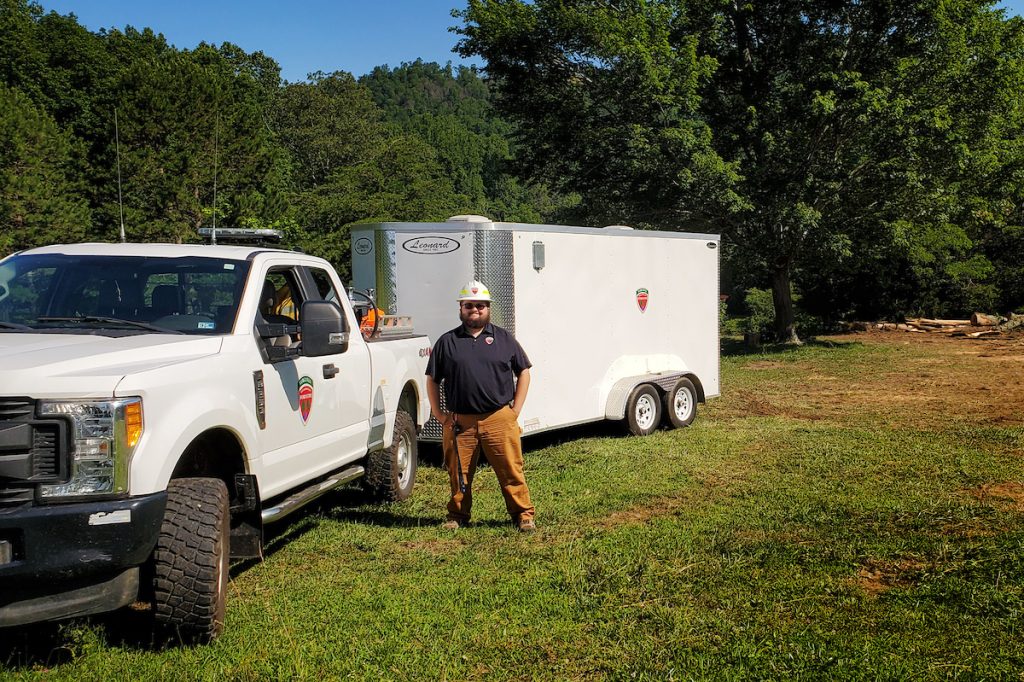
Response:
column 305, row 398
column 642, row 295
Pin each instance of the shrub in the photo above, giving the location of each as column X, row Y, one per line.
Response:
column 761, row 312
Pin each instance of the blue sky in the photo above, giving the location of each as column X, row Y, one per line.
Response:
column 307, row 36
column 314, row 35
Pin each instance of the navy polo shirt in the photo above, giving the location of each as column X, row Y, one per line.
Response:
column 478, row 373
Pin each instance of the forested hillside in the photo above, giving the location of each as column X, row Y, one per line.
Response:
column 419, row 142
column 861, row 158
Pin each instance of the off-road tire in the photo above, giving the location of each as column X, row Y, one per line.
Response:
column 643, row 410
column 391, row 472
column 681, row 404
column 191, row 560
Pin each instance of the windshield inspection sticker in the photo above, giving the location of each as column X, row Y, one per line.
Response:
column 206, row 325
column 305, row 398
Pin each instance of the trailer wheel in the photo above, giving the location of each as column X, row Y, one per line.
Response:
column 643, row 410
column 681, row 404
column 191, row 560
column 391, row 473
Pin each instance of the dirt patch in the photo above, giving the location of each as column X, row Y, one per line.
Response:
column 921, row 380
column 660, row 506
column 877, row 576
column 434, row 547
column 764, row 364
column 758, row 406
column 1008, row 495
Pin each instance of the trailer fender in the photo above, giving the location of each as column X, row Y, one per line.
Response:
column 615, row 407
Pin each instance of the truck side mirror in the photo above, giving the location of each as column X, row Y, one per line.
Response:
column 324, row 330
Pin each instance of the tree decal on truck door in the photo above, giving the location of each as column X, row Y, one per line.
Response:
column 641, row 298
column 305, row 397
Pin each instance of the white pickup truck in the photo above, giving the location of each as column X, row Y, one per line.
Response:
column 160, row 403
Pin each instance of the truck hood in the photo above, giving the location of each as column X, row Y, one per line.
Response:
column 68, row 365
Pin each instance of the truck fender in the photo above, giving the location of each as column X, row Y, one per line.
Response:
column 190, row 425
column 382, row 419
column 381, row 433
column 615, row 405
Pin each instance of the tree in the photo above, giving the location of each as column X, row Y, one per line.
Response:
column 799, row 129
column 40, row 202
column 192, row 122
column 348, row 165
column 451, row 110
column 188, row 120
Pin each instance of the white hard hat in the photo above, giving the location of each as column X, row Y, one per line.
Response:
column 474, row 291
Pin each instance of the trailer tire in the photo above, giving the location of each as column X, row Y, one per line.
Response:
column 643, row 410
column 391, row 472
column 191, row 562
column 681, row 404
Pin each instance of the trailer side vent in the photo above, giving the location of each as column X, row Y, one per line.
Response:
column 538, row 256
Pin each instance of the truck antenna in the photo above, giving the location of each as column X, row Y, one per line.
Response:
column 117, row 147
column 216, row 133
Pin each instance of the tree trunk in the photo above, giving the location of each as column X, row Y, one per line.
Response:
column 785, row 316
column 983, row 320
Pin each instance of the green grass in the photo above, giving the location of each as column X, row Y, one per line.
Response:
column 762, row 546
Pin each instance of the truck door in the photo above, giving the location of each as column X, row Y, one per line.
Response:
column 348, row 389
column 302, row 432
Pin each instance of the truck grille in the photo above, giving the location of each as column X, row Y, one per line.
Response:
column 17, row 409
column 45, row 452
column 41, row 459
column 12, row 497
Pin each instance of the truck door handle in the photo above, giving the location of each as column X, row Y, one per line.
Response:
column 330, row 371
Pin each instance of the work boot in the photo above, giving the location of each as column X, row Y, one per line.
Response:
column 527, row 526
column 451, row 524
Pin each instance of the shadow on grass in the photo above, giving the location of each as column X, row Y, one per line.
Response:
column 733, row 347
column 601, row 429
column 432, row 455
column 41, row 646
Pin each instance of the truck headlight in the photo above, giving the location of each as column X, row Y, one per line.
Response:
column 104, row 433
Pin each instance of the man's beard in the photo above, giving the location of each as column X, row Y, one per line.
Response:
column 478, row 322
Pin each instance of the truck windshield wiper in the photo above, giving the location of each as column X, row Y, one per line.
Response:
column 15, row 325
column 111, row 320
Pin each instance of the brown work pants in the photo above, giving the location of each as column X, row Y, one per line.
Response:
column 497, row 434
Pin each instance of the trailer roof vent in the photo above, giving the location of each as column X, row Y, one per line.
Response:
column 617, row 227
column 469, row 219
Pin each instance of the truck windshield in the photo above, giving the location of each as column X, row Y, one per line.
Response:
column 119, row 294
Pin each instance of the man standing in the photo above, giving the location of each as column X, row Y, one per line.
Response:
column 486, row 376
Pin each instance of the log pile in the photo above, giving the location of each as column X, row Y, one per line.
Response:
column 979, row 326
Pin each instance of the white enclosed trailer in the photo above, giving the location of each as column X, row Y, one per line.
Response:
column 618, row 323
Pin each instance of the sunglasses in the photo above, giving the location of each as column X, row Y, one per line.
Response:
column 478, row 306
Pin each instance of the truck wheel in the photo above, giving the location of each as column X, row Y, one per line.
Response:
column 643, row 410
column 391, row 473
column 681, row 404
column 190, row 562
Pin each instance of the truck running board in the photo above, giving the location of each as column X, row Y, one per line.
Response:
column 303, row 497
